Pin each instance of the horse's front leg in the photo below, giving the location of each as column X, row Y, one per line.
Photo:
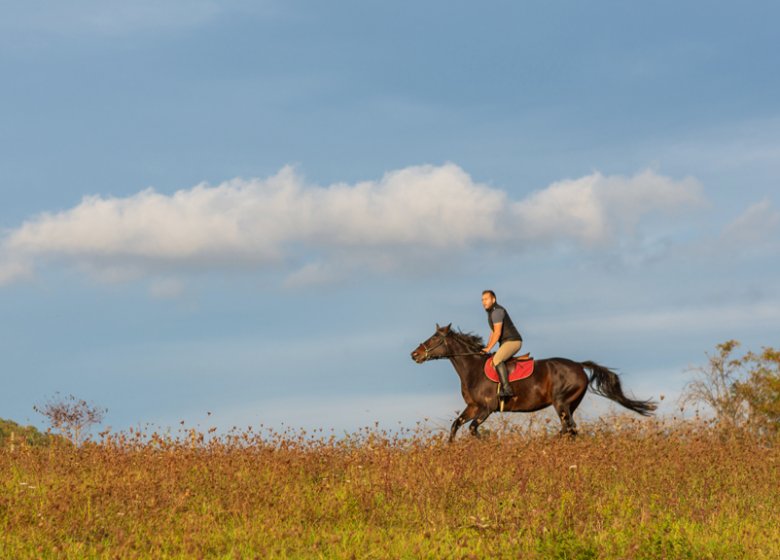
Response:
column 468, row 413
column 481, row 417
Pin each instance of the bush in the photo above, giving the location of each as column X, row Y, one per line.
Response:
column 12, row 433
column 740, row 391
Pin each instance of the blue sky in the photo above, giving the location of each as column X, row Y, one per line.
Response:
column 257, row 209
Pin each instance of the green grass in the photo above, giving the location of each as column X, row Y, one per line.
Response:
column 646, row 490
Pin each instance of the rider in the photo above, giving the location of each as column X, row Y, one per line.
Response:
column 506, row 334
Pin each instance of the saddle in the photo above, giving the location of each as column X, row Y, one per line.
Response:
column 518, row 367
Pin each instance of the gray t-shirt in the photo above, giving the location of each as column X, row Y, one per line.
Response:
column 508, row 330
column 498, row 314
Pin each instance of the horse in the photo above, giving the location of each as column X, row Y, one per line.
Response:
column 559, row 382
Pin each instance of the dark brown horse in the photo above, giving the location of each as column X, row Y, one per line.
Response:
column 556, row 381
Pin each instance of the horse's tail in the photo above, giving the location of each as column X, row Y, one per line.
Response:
column 606, row 383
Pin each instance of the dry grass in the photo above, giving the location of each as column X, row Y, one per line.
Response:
column 624, row 489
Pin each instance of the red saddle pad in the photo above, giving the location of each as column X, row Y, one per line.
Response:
column 518, row 369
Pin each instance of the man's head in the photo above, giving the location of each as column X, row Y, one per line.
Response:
column 488, row 299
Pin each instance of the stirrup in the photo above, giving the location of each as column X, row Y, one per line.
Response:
column 501, row 400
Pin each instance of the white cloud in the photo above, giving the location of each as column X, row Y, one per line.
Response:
column 759, row 224
column 698, row 319
column 11, row 271
column 595, row 208
column 280, row 221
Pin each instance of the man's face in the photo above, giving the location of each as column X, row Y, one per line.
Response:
column 488, row 301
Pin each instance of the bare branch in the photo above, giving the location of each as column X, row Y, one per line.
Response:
column 71, row 417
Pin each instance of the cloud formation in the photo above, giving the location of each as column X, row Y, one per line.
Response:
column 281, row 220
column 757, row 226
column 596, row 209
column 12, row 270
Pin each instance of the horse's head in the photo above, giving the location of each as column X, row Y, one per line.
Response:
column 435, row 347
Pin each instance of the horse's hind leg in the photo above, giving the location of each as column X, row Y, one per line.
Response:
column 569, row 409
column 564, row 411
column 483, row 415
column 577, row 400
column 468, row 413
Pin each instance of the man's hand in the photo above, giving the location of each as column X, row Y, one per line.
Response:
column 486, row 350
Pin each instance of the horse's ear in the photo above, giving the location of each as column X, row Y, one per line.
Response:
column 447, row 328
column 437, row 326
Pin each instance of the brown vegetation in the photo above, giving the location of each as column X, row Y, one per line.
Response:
column 626, row 488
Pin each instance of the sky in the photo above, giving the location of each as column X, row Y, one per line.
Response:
column 245, row 213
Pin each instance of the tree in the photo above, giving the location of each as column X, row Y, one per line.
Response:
column 713, row 385
column 740, row 391
column 71, row 417
column 761, row 389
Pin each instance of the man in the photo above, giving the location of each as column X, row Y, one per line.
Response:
column 506, row 334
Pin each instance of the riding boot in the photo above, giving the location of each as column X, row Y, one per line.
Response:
column 506, row 388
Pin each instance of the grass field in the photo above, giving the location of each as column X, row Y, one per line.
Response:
column 624, row 489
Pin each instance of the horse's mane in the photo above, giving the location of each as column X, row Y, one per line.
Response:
column 474, row 342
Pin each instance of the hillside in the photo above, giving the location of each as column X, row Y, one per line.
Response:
column 13, row 433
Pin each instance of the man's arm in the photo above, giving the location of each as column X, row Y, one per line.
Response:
column 494, row 336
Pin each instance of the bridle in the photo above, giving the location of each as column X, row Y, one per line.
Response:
column 428, row 350
column 444, row 342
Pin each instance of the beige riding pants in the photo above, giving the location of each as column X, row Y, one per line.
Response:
column 506, row 351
